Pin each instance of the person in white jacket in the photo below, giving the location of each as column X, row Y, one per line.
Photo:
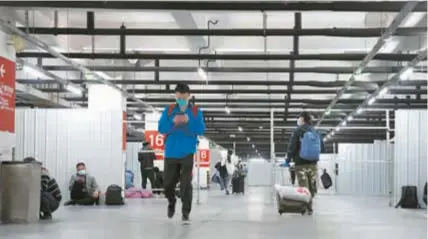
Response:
column 230, row 168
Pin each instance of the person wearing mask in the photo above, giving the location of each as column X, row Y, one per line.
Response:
column 83, row 188
column 181, row 123
column 146, row 159
column 304, row 150
column 50, row 193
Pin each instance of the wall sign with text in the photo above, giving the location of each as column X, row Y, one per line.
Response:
column 7, row 95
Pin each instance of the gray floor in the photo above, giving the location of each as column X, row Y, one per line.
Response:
column 237, row 217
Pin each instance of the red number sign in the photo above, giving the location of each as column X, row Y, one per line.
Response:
column 204, row 157
column 156, row 141
column 7, row 95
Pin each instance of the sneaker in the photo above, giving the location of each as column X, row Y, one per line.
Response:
column 227, row 192
column 171, row 210
column 185, row 219
column 310, row 211
column 46, row 216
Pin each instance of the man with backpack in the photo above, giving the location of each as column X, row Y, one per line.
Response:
column 304, row 150
column 83, row 188
column 146, row 159
column 50, row 196
column 181, row 123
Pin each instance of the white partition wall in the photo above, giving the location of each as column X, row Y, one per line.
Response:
column 363, row 169
column 410, row 161
column 60, row 138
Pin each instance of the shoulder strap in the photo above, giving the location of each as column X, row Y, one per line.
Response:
column 195, row 111
column 171, row 109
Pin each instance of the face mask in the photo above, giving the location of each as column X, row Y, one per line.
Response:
column 298, row 122
column 182, row 103
column 81, row 172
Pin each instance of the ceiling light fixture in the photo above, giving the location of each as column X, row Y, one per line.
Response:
column 360, row 110
column 248, row 139
column 202, row 74
column 337, row 129
column 137, row 117
column 253, row 146
column 74, row 89
column 406, row 74
column 240, row 128
column 382, row 92
column 371, row 101
column 227, row 110
column 343, row 123
column 350, row 118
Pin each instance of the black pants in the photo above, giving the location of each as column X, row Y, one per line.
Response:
column 179, row 170
column 147, row 173
column 48, row 204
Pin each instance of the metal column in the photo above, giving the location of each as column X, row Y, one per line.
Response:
column 391, row 160
column 198, row 177
column 272, row 152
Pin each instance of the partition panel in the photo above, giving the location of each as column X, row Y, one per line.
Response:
column 60, row 138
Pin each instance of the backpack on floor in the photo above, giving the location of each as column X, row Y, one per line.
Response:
column 114, row 195
column 425, row 194
column 409, row 197
column 310, row 145
column 326, row 180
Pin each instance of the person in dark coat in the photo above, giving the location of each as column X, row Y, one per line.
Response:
column 146, row 159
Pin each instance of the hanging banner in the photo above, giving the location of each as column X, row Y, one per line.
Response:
column 7, row 95
column 156, row 141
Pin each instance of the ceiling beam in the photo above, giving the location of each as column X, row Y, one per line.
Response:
column 218, row 56
column 321, row 70
column 335, row 6
column 273, row 91
column 247, row 82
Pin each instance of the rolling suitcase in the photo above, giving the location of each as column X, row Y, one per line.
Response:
column 238, row 185
column 296, row 203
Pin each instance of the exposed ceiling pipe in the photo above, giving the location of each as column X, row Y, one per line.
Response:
column 76, row 66
column 401, row 16
column 329, row 32
column 216, row 56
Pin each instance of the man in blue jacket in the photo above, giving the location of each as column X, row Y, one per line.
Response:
column 181, row 123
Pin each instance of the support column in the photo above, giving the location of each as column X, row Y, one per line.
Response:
column 7, row 97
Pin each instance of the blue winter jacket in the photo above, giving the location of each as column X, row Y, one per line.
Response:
column 181, row 140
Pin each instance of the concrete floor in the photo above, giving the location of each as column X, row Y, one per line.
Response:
column 231, row 217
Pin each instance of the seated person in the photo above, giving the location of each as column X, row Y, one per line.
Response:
column 50, row 197
column 83, row 187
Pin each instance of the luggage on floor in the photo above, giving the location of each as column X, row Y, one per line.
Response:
column 293, row 193
column 114, row 195
column 138, row 193
column 409, row 197
column 425, row 194
column 287, row 205
column 326, row 180
column 129, row 179
column 238, row 184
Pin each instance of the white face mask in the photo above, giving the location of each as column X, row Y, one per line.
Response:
column 298, row 122
column 81, row 172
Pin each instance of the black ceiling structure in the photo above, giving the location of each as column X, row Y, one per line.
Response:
column 342, row 6
column 251, row 115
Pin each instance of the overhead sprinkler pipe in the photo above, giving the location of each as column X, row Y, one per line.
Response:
column 209, row 23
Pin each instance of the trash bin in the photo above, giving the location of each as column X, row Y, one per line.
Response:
column 20, row 191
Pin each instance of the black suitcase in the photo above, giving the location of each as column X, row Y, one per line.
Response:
column 409, row 197
column 238, row 185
